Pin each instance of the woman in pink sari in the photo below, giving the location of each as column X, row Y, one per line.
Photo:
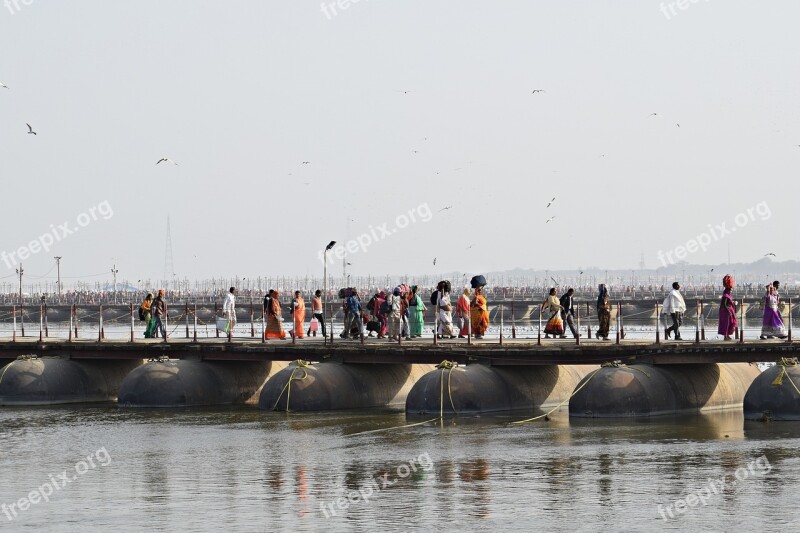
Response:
column 727, row 310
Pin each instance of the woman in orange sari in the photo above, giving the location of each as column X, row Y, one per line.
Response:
column 479, row 313
column 299, row 313
column 274, row 318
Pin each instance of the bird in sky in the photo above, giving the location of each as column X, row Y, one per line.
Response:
column 445, row 208
column 415, row 151
column 538, row 91
column 470, row 246
column 550, row 202
column 166, row 160
column 773, row 255
column 678, row 124
column 434, row 261
column 30, row 129
column 549, row 219
column 581, row 273
column 3, row 85
column 306, row 162
column 602, row 155
column 653, row 114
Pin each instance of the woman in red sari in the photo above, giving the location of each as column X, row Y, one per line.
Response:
column 479, row 312
column 727, row 310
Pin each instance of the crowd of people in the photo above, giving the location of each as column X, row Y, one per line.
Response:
column 400, row 313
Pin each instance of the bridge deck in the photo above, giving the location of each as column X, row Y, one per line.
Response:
column 418, row 351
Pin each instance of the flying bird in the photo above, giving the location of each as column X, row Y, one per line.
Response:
column 653, row 114
column 30, row 130
column 470, row 246
column 538, row 91
column 445, row 208
column 602, row 155
column 415, row 151
column 434, row 261
column 166, row 160
column 773, row 255
column 678, row 124
column 549, row 219
column 550, row 202
column 3, row 85
column 306, row 162
column 404, row 92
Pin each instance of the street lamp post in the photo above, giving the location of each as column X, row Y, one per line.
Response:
column 58, row 267
column 325, row 283
column 114, row 271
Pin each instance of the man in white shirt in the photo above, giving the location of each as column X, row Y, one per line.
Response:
column 229, row 308
column 675, row 307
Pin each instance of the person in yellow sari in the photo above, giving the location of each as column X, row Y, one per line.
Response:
column 299, row 314
column 479, row 313
column 274, row 318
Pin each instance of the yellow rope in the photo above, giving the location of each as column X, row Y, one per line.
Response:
column 395, row 427
column 593, row 374
column 449, row 366
column 300, row 365
column 444, row 365
column 783, row 363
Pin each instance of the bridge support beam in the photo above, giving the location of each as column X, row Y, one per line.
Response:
column 478, row 388
column 191, row 382
column 53, row 380
column 774, row 394
column 645, row 390
column 332, row 385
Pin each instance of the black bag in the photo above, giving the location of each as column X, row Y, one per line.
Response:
column 477, row 281
column 386, row 307
column 141, row 313
column 374, row 325
column 434, row 297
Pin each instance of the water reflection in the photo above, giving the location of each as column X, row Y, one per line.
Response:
column 240, row 468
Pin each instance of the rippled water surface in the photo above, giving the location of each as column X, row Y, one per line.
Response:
column 241, row 469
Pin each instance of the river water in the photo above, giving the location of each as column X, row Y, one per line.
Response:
column 242, row 469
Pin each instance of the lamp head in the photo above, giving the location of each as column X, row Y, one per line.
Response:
column 330, row 245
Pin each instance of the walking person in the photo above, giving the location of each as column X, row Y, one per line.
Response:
column 568, row 311
column 416, row 308
column 229, row 310
column 554, row 326
column 772, row 324
column 299, row 314
column 675, row 307
column 462, row 312
column 272, row 308
column 479, row 314
column 316, row 310
column 395, row 309
column 445, row 308
column 727, row 310
column 381, row 313
column 159, row 308
column 603, row 313
column 147, row 316
column 355, row 326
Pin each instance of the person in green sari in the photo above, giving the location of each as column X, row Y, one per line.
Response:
column 415, row 309
column 148, row 316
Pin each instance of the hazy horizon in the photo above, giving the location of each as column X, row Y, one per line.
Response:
column 399, row 109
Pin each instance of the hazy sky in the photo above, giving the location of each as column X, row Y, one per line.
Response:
column 241, row 93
